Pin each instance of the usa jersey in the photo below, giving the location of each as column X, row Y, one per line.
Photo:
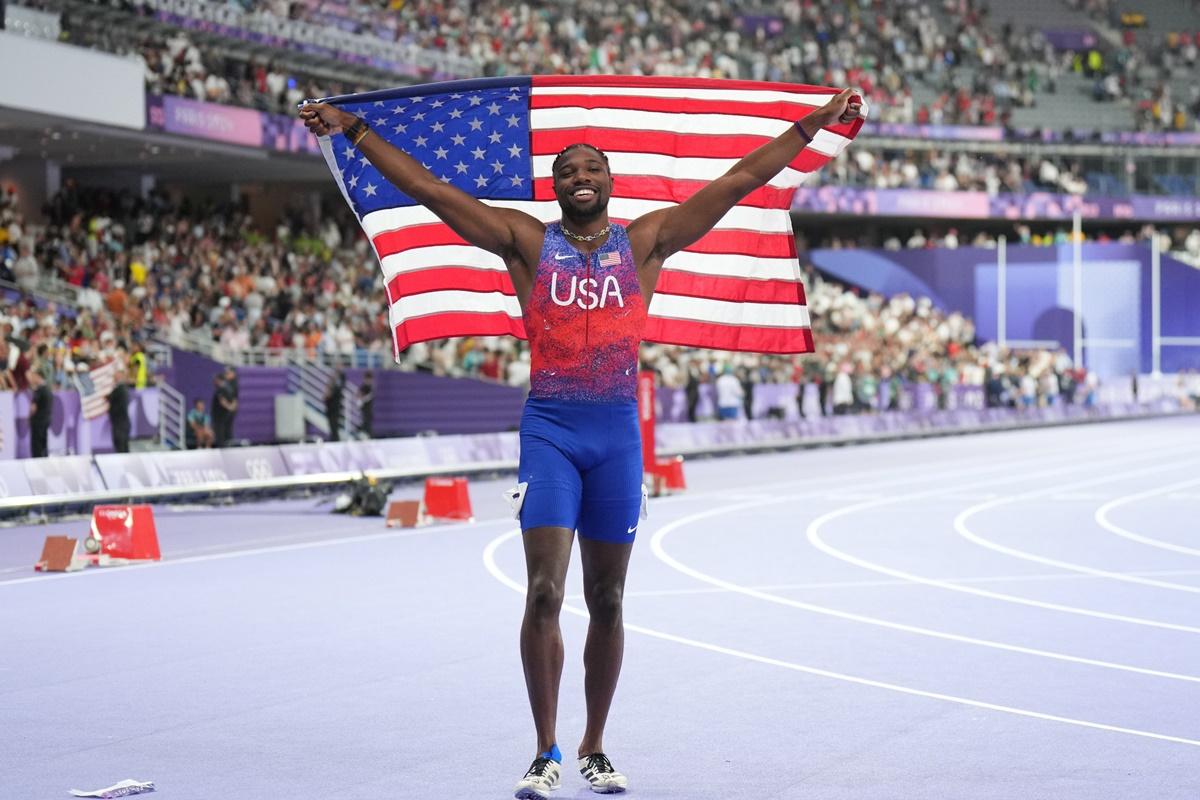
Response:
column 585, row 320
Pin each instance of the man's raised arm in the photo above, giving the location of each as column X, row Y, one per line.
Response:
column 496, row 230
column 661, row 233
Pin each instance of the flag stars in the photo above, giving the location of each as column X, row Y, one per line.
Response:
column 514, row 151
column 419, row 116
column 475, row 100
column 456, row 113
column 498, row 167
column 476, row 124
column 514, row 97
column 420, row 141
column 353, row 181
column 478, row 153
column 348, row 152
column 369, row 190
column 441, row 152
column 436, row 104
column 494, row 108
column 480, row 181
column 514, row 121
column 445, row 179
column 438, row 127
column 366, row 162
column 517, row 180
column 458, row 139
column 495, row 138
column 461, row 167
column 400, row 128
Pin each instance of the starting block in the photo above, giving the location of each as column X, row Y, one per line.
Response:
column 447, row 499
column 118, row 535
column 666, row 476
column 406, row 514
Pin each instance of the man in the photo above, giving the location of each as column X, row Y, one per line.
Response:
column 41, row 405
column 200, row 425
column 366, row 397
column 730, row 394
column 118, row 412
column 580, row 466
column 218, row 410
column 333, row 404
column 227, row 398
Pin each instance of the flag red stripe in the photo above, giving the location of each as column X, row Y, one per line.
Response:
column 677, row 145
column 443, row 326
column 737, row 290
column 731, row 242
column 689, row 333
column 438, row 279
column 650, row 187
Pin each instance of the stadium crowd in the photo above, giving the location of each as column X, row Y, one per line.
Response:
column 969, row 69
column 203, row 276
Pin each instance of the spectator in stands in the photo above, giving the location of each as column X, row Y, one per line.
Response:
column 118, row 410
column 138, row 366
column 843, row 390
column 26, row 272
column 41, row 404
column 200, row 430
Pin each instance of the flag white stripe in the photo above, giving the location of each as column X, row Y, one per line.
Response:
column 452, row 301
column 732, row 266
column 829, row 144
column 736, row 95
column 724, row 312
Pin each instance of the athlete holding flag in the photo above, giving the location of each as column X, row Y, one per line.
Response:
column 583, row 284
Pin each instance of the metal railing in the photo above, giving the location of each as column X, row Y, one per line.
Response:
column 172, row 418
column 311, row 381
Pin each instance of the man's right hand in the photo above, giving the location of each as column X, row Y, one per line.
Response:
column 324, row 119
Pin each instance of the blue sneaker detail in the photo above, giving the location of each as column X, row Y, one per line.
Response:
column 554, row 754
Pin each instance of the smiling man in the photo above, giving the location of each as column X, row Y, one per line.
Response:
column 584, row 285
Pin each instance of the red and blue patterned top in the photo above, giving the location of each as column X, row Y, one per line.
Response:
column 585, row 320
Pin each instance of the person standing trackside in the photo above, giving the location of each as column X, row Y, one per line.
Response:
column 40, row 407
column 118, row 412
column 366, row 397
column 333, row 404
column 227, row 398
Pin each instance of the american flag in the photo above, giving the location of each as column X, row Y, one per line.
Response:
column 94, row 388
column 737, row 288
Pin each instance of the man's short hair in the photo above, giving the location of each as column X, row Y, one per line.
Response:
column 562, row 153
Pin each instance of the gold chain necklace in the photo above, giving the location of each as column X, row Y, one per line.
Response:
column 590, row 237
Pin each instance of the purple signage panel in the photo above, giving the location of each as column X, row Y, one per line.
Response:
column 253, row 463
column 62, row 475
column 158, row 470
column 8, row 425
column 978, row 205
column 220, row 123
column 471, row 449
column 311, row 459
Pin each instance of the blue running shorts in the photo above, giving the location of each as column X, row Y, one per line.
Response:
column 582, row 466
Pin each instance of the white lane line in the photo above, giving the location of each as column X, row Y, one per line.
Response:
column 258, row 551
column 489, row 562
column 837, row 480
column 656, row 545
column 813, row 533
column 1103, row 521
column 869, row 584
column 960, row 525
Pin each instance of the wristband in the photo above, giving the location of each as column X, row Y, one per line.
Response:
column 357, row 131
column 807, row 139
